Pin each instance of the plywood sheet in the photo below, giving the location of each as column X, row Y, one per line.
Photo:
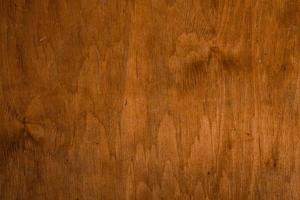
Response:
column 149, row 99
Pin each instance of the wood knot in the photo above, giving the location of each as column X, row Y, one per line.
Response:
column 189, row 62
column 35, row 131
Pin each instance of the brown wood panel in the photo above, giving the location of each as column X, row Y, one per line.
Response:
column 149, row 99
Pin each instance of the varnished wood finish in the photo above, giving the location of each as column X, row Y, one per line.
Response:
column 149, row 99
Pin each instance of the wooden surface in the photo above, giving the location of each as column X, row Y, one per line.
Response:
column 149, row 99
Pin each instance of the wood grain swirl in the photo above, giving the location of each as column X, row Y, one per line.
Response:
column 149, row 99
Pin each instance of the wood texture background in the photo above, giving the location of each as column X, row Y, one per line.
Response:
column 149, row 99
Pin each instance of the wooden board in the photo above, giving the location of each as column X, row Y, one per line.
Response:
column 149, row 99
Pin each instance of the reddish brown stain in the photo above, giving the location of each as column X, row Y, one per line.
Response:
column 149, row 99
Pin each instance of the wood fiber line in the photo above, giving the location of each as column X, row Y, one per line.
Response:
column 150, row 99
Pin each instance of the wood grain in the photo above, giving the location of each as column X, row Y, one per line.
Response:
column 150, row 99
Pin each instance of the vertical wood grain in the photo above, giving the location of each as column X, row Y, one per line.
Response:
column 149, row 99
